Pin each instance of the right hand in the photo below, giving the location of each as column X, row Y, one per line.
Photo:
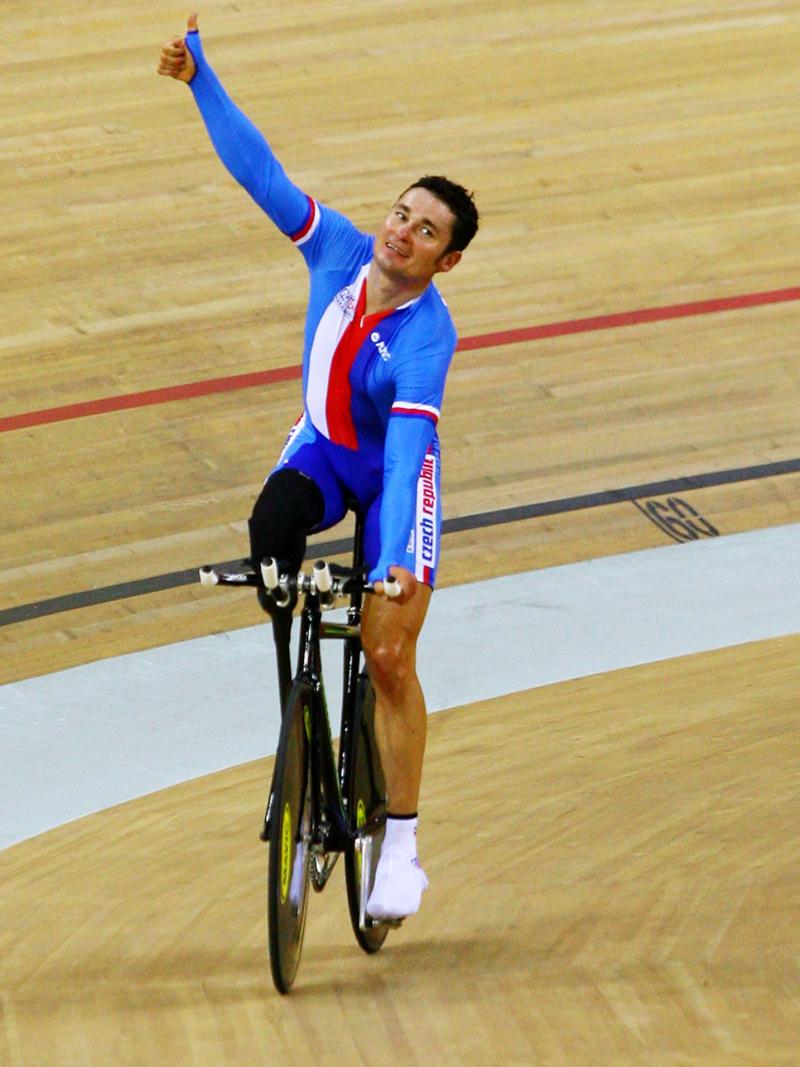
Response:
column 407, row 581
column 176, row 60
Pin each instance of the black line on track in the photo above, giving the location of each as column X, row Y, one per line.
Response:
column 157, row 583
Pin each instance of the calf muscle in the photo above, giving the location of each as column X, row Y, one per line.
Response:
column 389, row 634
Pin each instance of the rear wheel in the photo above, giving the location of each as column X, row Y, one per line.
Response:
column 289, row 839
column 365, row 792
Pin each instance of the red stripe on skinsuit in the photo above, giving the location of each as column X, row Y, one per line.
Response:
column 338, row 413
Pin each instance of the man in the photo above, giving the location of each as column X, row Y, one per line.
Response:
column 378, row 343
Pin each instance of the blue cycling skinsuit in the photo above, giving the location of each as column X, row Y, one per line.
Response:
column 372, row 384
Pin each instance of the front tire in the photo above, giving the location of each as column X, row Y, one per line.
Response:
column 289, row 839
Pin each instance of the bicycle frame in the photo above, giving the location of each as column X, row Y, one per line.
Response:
column 329, row 832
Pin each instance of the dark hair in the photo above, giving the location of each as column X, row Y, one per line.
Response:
column 460, row 201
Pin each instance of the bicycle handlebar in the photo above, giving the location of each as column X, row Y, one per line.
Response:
column 328, row 582
column 391, row 587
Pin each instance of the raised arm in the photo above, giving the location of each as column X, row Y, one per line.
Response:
column 241, row 147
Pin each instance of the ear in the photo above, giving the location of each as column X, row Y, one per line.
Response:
column 447, row 262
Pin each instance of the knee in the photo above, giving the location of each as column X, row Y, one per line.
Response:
column 391, row 663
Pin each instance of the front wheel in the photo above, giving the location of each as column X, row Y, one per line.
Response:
column 289, row 839
column 365, row 793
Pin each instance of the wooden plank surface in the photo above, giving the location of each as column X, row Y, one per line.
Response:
column 621, row 888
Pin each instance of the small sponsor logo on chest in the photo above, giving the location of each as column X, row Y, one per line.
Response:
column 383, row 348
column 346, row 300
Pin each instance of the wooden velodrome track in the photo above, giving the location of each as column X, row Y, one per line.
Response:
column 636, row 900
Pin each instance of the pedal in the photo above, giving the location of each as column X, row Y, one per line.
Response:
column 364, row 848
column 393, row 924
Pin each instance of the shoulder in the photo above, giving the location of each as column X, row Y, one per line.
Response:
column 329, row 238
column 431, row 325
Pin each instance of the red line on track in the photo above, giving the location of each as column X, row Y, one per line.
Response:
column 104, row 405
column 630, row 318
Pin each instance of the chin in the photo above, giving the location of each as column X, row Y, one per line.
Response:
column 390, row 266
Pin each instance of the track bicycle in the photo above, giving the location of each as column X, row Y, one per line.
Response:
column 320, row 806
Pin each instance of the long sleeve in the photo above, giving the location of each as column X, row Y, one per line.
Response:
column 407, row 441
column 419, row 375
column 244, row 150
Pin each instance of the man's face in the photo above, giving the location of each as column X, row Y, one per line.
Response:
column 411, row 241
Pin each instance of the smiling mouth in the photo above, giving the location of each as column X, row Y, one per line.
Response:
column 396, row 250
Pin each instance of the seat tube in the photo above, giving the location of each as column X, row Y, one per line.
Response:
column 308, row 655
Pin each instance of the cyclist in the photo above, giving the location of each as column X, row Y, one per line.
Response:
column 378, row 344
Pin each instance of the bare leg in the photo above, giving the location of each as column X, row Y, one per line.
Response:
column 389, row 635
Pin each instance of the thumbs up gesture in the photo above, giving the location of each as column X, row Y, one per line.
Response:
column 176, row 60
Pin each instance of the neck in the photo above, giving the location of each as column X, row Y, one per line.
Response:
column 385, row 292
